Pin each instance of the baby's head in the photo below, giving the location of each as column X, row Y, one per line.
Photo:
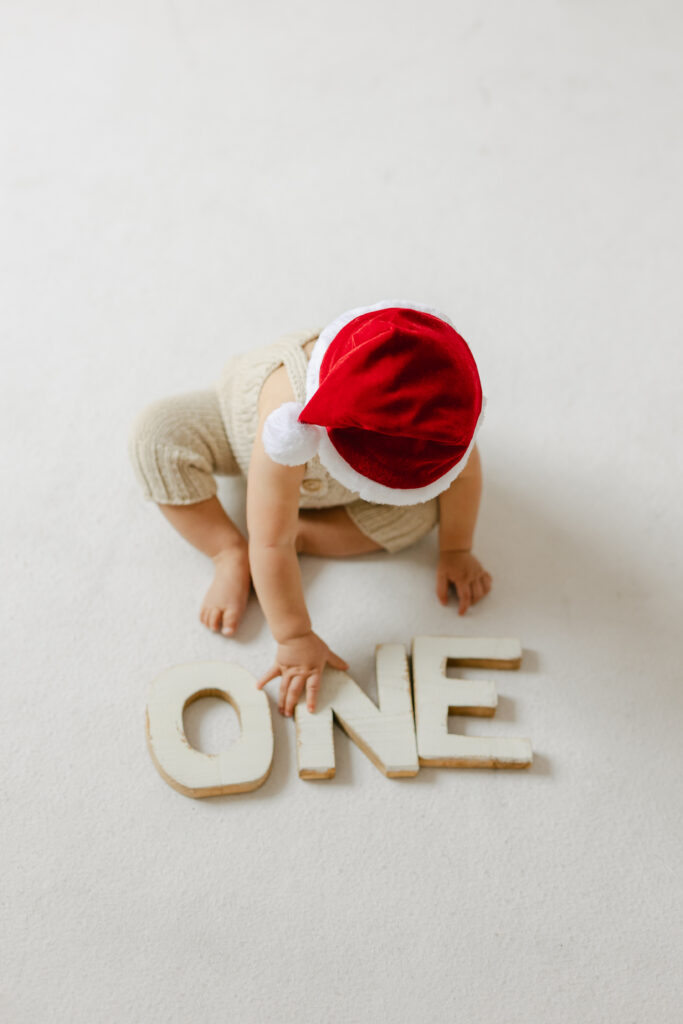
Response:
column 393, row 404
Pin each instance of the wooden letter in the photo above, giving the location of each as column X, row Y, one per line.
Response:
column 245, row 765
column 386, row 735
column 436, row 696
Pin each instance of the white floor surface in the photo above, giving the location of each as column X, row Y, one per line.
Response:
column 181, row 181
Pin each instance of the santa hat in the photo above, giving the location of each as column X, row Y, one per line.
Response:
column 393, row 404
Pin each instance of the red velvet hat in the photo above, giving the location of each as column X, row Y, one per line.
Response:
column 393, row 405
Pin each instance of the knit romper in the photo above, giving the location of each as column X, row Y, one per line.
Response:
column 177, row 444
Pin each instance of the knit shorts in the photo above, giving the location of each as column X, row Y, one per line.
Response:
column 178, row 445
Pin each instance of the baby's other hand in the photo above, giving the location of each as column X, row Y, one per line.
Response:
column 300, row 662
column 466, row 573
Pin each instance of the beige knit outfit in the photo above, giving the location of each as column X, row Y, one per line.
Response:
column 177, row 444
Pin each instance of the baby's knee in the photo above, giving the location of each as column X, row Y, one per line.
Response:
column 165, row 457
column 159, row 423
column 149, row 432
column 151, row 428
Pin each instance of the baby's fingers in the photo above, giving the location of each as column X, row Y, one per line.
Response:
column 293, row 693
column 480, row 587
column 336, row 661
column 284, row 687
column 442, row 587
column 270, row 674
column 312, row 689
column 464, row 596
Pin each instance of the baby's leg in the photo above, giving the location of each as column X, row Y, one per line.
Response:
column 329, row 532
column 207, row 527
column 176, row 445
column 364, row 526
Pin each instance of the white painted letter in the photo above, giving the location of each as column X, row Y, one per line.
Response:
column 386, row 735
column 245, row 765
column 436, row 696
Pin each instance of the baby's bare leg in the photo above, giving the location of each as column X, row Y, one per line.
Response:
column 207, row 527
column 330, row 533
column 176, row 445
column 324, row 532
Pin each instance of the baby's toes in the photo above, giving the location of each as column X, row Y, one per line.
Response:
column 213, row 618
column 229, row 624
column 231, row 617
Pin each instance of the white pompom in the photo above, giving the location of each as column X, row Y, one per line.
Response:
column 286, row 440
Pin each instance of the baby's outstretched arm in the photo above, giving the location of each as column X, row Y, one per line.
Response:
column 272, row 522
column 458, row 509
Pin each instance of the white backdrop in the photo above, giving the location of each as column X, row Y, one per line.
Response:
column 181, row 181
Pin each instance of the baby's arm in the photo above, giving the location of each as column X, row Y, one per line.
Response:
column 458, row 509
column 272, row 523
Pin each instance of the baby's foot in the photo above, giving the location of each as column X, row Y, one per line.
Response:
column 227, row 596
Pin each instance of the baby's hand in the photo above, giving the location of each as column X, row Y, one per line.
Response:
column 300, row 662
column 470, row 579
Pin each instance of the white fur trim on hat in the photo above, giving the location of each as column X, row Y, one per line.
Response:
column 288, row 441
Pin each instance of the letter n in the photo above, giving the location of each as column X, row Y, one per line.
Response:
column 385, row 734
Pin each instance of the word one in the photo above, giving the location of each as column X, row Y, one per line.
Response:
column 395, row 739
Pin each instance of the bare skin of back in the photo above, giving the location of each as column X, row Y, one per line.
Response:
column 279, row 531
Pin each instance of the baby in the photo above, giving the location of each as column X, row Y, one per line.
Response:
column 356, row 438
